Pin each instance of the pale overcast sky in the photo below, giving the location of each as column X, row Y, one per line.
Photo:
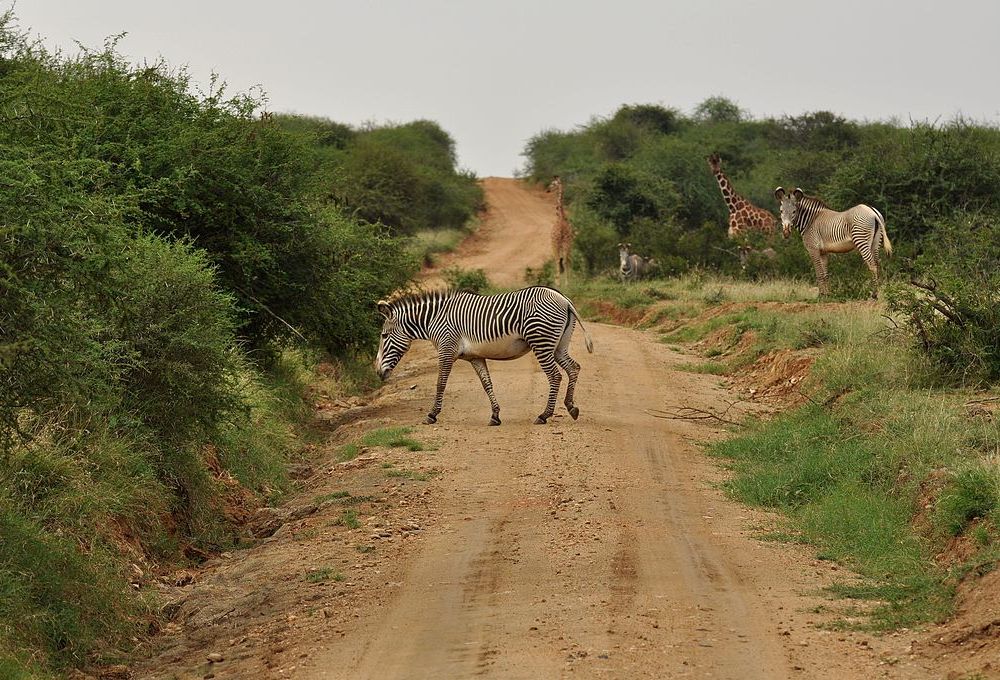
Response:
column 495, row 73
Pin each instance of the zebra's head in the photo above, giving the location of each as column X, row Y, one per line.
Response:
column 394, row 343
column 788, row 205
column 623, row 251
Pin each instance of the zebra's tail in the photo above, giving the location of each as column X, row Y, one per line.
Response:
column 586, row 335
column 886, row 243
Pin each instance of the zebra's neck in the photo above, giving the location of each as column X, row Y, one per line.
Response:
column 804, row 216
column 417, row 313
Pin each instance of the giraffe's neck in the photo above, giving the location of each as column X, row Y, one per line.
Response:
column 559, row 200
column 733, row 200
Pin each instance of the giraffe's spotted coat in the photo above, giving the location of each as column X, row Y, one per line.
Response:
column 744, row 216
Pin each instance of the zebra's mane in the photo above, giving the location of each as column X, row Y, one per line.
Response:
column 407, row 300
column 813, row 202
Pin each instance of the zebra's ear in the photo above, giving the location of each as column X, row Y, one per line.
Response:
column 384, row 308
column 779, row 193
column 798, row 194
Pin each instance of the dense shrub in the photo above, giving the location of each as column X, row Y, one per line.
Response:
column 403, row 176
column 917, row 176
column 466, row 280
column 159, row 251
column 952, row 303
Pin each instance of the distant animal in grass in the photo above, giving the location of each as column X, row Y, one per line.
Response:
column 633, row 266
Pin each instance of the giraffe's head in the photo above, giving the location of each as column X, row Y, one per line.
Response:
column 788, row 208
column 715, row 162
column 394, row 343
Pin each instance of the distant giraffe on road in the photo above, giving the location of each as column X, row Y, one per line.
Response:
column 562, row 234
column 744, row 216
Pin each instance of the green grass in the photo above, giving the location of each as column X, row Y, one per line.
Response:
column 393, row 437
column 428, row 243
column 349, row 519
column 852, row 475
column 347, row 452
column 324, row 574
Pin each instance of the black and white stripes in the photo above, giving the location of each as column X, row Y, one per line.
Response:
column 826, row 231
column 480, row 327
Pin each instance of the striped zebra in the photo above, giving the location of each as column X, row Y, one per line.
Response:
column 480, row 327
column 633, row 266
column 826, row 231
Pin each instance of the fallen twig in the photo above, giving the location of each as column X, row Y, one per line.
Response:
column 692, row 413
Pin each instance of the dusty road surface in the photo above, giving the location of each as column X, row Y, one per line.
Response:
column 515, row 233
column 597, row 548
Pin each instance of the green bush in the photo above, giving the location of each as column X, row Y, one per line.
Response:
column 466, row 280
column 157, row 249
column 173, row 330
column 951, row 305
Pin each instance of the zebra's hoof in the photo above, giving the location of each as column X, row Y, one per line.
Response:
column 495, row 420
column 430, row 420
column 540, row 420
column 575, row 412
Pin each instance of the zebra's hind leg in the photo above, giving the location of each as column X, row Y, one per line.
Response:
column 572, row 371
column 546, row 359
column 484, row 377
column 873, row 268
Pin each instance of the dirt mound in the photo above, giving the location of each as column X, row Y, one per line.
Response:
column 775, row 377
column 969, row 644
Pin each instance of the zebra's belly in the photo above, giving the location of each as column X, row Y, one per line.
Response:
column 844, row 246
column 507, row 347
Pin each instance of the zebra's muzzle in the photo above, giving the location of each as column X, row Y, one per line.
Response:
column 383, row 374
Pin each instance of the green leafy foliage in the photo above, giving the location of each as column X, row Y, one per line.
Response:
column 160, row 249
column 951, row 303
column 643, row 172
column 466, row 280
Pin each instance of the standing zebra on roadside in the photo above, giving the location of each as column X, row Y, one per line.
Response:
column 632, row 266
column 480, row 327
column 826, row 231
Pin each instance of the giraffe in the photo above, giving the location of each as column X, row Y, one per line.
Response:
column 562, row 233
column 744, row 216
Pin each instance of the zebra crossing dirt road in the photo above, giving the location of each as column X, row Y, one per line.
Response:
column 597, row 548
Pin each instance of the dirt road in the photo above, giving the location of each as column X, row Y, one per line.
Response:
column 593, row 548
column 514, row 234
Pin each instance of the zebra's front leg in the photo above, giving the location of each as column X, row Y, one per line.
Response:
column 446, row 359
column 484, row 377
column 819, row 260
column 547, row 361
